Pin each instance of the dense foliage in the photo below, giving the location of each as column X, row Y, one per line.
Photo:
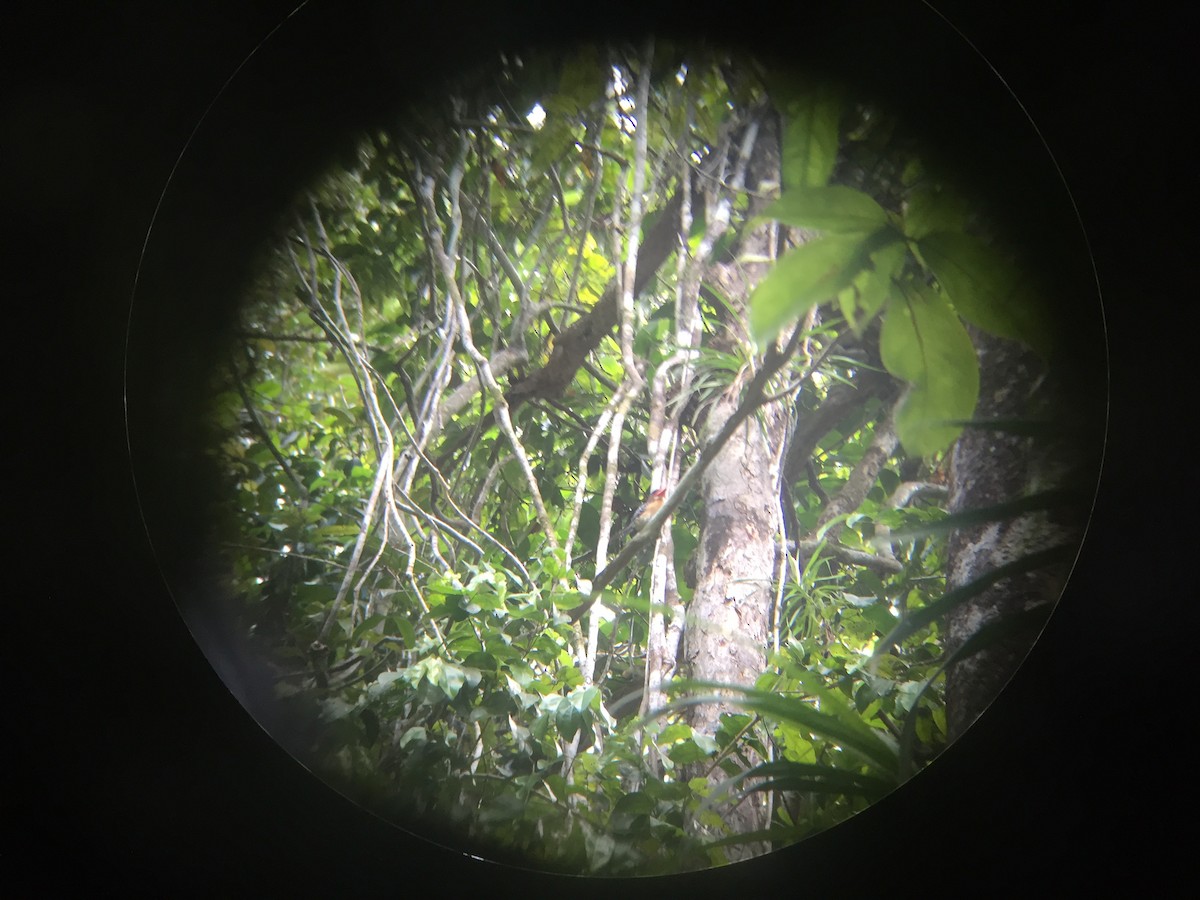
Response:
column 420, row 505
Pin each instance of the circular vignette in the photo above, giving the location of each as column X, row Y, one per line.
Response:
column 300, row 109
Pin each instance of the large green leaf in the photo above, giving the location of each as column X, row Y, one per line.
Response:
column 568, row 719
column 873, row 285
column 842, row 726
column 806, row 276
column 930, row 210
column 923, row 342
column 785, row 775
column 985, row 288
column 810, row 136
column 834, row 208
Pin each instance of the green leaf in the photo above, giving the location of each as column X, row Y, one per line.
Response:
column 842, row 727
column 451, row 679
column 879, row 617
column 806, row 276
column 872, row 287
column 551, row 142
column 344, row 418
column 416, row 733
column 403, row 627
column 923, row 342
column 985, row 288
column 366, row 625
column 690, row 751
column 676, row 731
column 568, row 719
column 335, row 532
column 929, row 210
column 835, row 208
column 383, row 683
column 633, row 804
column 810, row 135
column 588, row 698
column 786, row 775
column 483, row 661
column 315, row 594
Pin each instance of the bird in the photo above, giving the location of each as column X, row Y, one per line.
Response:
column 645, row 512
column 652, row 504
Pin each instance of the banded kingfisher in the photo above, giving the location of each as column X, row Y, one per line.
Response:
column 644, row 512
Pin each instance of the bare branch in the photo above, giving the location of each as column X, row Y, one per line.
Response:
column 862, row 479
column 448, row 269
column 881, row 565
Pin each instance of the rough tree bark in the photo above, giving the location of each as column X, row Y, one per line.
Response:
column 725, row 636
column 990, row 467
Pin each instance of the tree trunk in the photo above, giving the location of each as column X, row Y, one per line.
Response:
column 987, row 468
column 725, row 637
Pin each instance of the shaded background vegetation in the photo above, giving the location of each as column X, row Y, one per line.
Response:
column 395, row 543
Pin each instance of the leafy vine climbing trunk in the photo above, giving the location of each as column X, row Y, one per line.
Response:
column 725, row 637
